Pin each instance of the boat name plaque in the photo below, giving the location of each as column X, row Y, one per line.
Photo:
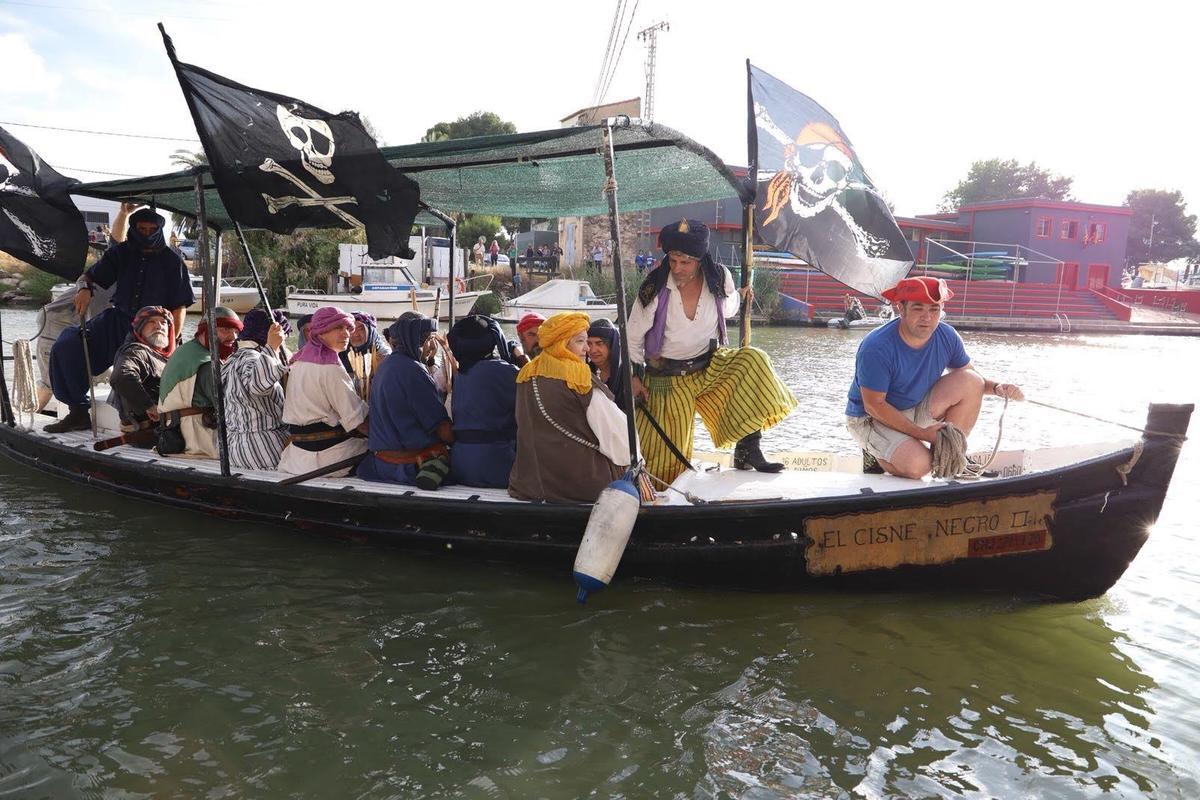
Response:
column 930, row 534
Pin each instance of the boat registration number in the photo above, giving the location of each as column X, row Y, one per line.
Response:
column 930, row 534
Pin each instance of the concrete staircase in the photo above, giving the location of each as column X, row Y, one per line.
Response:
column 976, row 299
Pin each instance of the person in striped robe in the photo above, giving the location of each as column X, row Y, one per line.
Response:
column 254, row 392
column 677, row 344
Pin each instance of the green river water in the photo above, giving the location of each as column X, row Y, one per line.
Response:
column 159, row 654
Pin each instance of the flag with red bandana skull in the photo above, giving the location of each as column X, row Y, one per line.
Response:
column 813, row 198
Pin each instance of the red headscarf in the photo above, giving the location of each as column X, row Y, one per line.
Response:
column 145, row 315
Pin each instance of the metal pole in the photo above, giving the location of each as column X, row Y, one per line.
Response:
column 217, row 272
column 1062, row 276
column 451, row 230
column 747, row 269
column 614, row 227
column 237, row 228
column 6, row 412
column 1012, row 301
column 211, row 277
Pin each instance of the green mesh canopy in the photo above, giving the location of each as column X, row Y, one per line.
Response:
column 550, row 173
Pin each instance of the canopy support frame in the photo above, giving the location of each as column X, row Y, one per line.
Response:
column 211, row 278
column 614, row 227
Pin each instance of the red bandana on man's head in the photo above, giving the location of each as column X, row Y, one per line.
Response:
column 148, row 313
column 919, row 290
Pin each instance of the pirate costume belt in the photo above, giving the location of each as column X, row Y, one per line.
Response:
column 418, row 457
column 674, row 367
column 317, row 437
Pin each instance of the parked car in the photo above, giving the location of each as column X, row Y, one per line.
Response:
column 187, row 249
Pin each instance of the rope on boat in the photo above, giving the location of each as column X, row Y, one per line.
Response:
column 1144, row 431
column 25, row 399
column 950, row 452
column 688, row 496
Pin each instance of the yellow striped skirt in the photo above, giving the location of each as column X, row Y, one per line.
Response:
column 736, row 395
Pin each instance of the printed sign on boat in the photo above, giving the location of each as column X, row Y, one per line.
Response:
column 930, row 534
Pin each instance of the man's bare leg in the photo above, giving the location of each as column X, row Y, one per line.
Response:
column 956, row 398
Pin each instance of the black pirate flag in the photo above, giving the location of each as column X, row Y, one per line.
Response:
column 38, row 222
column 281, row 164
column 813, row 198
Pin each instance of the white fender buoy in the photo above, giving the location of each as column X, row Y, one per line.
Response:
column 607, row 533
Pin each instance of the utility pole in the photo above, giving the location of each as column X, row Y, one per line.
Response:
column 650, row 37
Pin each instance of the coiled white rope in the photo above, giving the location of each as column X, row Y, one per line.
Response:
column 25, row 397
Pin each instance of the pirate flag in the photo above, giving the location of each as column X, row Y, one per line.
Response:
column 813, row 198
column 281, row 164
column 38, row 222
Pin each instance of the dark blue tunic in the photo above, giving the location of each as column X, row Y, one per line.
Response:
column 405, row 414
column 485, row 424
column 142, row 279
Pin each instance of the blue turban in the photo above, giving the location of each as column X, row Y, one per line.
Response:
column 474, row 338
column 408, row 335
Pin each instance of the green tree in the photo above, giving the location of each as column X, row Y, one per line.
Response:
column 1174, row 233
column 475, row 225
column 993, row 179
column 479, row 123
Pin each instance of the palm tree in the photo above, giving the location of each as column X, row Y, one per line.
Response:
column 188, row 159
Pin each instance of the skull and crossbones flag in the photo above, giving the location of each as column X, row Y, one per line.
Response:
column 813, row 198
column 281, row 164
column 39, row 224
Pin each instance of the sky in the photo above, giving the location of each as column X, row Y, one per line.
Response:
column 1102, row 92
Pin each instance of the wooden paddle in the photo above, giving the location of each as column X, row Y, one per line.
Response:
column 317, row 473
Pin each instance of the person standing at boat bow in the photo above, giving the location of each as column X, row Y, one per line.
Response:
column 899, row 398
column 145, row 272
column 677, row 343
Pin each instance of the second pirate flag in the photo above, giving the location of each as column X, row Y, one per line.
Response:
column 813, row 198
column 281, row 164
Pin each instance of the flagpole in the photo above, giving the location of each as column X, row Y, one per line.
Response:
column 6, row 412
column 747, row 269
column 451, row 228
column 614, row 227
column 210, row 315
column 748, row 205
column 262, row 292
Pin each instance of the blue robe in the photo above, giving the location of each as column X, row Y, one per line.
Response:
column 485, row 424
column 405, row 414
column 142, row 279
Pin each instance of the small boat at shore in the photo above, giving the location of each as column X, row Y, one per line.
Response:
column 1057, row 523
column 556, row 296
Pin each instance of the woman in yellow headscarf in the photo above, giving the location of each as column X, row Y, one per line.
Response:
column 571, row 436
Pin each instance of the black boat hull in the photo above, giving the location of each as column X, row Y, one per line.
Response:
column 1100, row 520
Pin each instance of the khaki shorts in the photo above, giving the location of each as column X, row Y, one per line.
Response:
column 880, row 440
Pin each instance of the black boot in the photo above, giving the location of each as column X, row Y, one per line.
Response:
column 748, row 455
column 79, row 419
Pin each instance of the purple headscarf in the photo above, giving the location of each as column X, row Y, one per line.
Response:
column 326, row 319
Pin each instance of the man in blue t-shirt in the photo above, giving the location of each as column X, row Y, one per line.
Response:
column 899, row 397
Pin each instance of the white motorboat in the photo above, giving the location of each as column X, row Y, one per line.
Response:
column 556, row 296
column 883, row 315
column 385, row 304
column 239, row 298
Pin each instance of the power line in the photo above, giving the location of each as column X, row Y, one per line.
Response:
column 612, row 73
column 101, row 133
column 608, row 50
column 100, row 172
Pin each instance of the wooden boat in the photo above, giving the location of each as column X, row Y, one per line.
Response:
column 1061, row 524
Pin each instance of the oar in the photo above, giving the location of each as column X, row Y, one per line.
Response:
column 87, row 364
column 142, row 434
column 317, row 473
